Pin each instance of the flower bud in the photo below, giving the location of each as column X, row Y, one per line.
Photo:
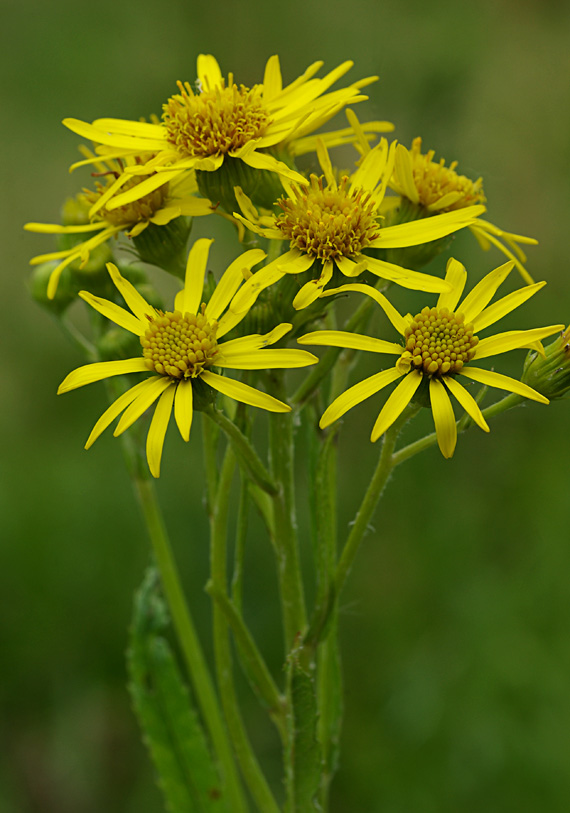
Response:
column 550, row 374
column 165, row 246
column 66, row 290
column 262, row 187
column 118, row 343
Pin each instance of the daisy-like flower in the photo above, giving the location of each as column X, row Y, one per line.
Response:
column 180, row 347
column 216, row 120
column 165, row 203
column 438, row 188
column 332, row 224
column 439, row 344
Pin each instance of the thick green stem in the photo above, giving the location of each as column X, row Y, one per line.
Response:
column 249, row 765
column 285, row 524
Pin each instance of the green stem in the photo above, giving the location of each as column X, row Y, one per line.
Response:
column 245, row 452
column 188, row 638
column 249, row 765
column 281, row 450
column 463, row 423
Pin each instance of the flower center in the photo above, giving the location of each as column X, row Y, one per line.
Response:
column 438, row 342
column 328, row 222
column 142, row 209
column 434, row 181
column 180, row 346
column 215, row 121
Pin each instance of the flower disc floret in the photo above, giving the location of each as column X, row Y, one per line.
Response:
column 215, row 121
column 180, row 345
column 439, row 342
column 328, row 222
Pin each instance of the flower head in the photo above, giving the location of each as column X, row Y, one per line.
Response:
column 180, row 348
column 439, row 344
column 216, row 120
column 332, row 223
column 159, row 207
column 437, row 188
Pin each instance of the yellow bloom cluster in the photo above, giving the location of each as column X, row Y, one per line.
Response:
column 318, row 229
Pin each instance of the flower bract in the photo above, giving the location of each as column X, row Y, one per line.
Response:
column 438, row 344
column 181, row 347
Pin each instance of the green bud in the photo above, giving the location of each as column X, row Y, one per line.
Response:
column 204, row 396
column 260, row 185
column 165, row 246
column 550, row 375
column 66, row 290
column 75, row 212
column 118, row 343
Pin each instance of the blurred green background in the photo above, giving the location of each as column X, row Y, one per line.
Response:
column 456, row 618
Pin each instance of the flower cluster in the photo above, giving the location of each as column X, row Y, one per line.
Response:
column 223, row 148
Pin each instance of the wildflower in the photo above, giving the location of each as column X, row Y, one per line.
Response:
column 332, row 224
column 215, row 120
column 159, row 207
column 437, row 188
column 180, row 348
column 440, row 343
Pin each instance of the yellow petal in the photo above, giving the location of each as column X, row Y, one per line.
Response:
column 443, row 417
column 140, row 129
column 353, row 341
column 53, row 228
column 325, row 162
column 183, row 408
column 157, row 431
column 259, row 160
column 265, row 359
column 484, row 291
column 134, row 300
column 312, row 289
column 272, row 81
column 456, row 276
column 405, row 277
column 356, row 394
column 397, row 320
column 396, row 403
column 512, row 340
column 244, row 393
column 189, row 299
column 372, row 167
column 209, row 72
column 467, row 401
column 505, row 305
column 100, row 370
column 405, row 175
column 503, row 382
column 115, row 313
column 231, row 279
column 143, row 188
column 112, row 412
column 426, row 229
column 100, row 136
column 153, row 388
column 485, row 238
column 255, row 341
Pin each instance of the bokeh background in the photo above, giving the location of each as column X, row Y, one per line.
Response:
column 456, row 618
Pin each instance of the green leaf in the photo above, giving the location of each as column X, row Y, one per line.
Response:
column 171, row 728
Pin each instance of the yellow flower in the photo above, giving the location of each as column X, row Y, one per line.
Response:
column 438, row 188
column 334, row 223
column 180, row 347
column 165, row 203
column 214, row 120
column 439, row 344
